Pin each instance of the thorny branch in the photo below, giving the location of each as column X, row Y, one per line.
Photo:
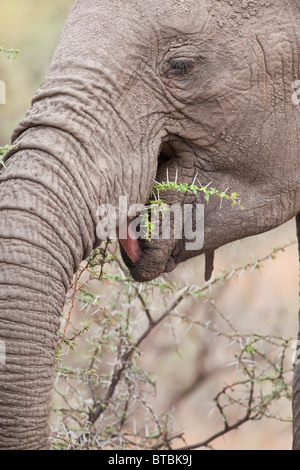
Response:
column 96, row 422
column 125, row 358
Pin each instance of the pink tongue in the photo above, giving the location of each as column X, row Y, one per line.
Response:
column 131, row 245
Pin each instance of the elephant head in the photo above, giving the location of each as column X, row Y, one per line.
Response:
column 137, row 92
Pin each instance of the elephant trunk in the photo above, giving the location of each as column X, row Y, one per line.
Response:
column 47, row 226
column 76, row 149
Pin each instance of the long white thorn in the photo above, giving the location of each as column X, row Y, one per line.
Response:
column 196, row 175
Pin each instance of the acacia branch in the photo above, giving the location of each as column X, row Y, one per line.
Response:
column 216, row 435
column 124, row 360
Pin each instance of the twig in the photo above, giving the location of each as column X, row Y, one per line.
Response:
column 69, row 314
column 124, row 361
column 216, row 435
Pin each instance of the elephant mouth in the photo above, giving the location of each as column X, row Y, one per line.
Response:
column 147, row 259
column 146, row 262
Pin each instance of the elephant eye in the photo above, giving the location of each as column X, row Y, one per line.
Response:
column 179, row 66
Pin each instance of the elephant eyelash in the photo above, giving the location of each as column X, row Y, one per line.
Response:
column 179, row 67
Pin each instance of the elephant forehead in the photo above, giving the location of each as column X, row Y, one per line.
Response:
column 187, row 16
column 112, row 25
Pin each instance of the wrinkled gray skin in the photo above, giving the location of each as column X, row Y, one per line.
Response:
column 203, row 83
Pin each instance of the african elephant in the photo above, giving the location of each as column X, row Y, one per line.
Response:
column 136, row 90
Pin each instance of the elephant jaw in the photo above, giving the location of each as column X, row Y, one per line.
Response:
column 140, row 255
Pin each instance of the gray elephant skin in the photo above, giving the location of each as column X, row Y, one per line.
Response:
column 138, row 89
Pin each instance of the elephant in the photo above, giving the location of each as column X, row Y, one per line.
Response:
column 138, row 92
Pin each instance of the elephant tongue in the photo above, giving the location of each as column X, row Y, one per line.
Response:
column 131, row 245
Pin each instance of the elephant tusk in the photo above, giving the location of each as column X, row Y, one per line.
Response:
column 209, row 264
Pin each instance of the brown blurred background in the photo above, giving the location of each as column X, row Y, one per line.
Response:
column 264, row 301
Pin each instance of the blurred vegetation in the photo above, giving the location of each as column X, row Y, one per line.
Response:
column 218, row 360
column 34, row 28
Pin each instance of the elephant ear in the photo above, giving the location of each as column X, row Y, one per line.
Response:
column 296, row 380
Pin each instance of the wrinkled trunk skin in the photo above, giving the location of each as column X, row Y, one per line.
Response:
column 43, row 237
